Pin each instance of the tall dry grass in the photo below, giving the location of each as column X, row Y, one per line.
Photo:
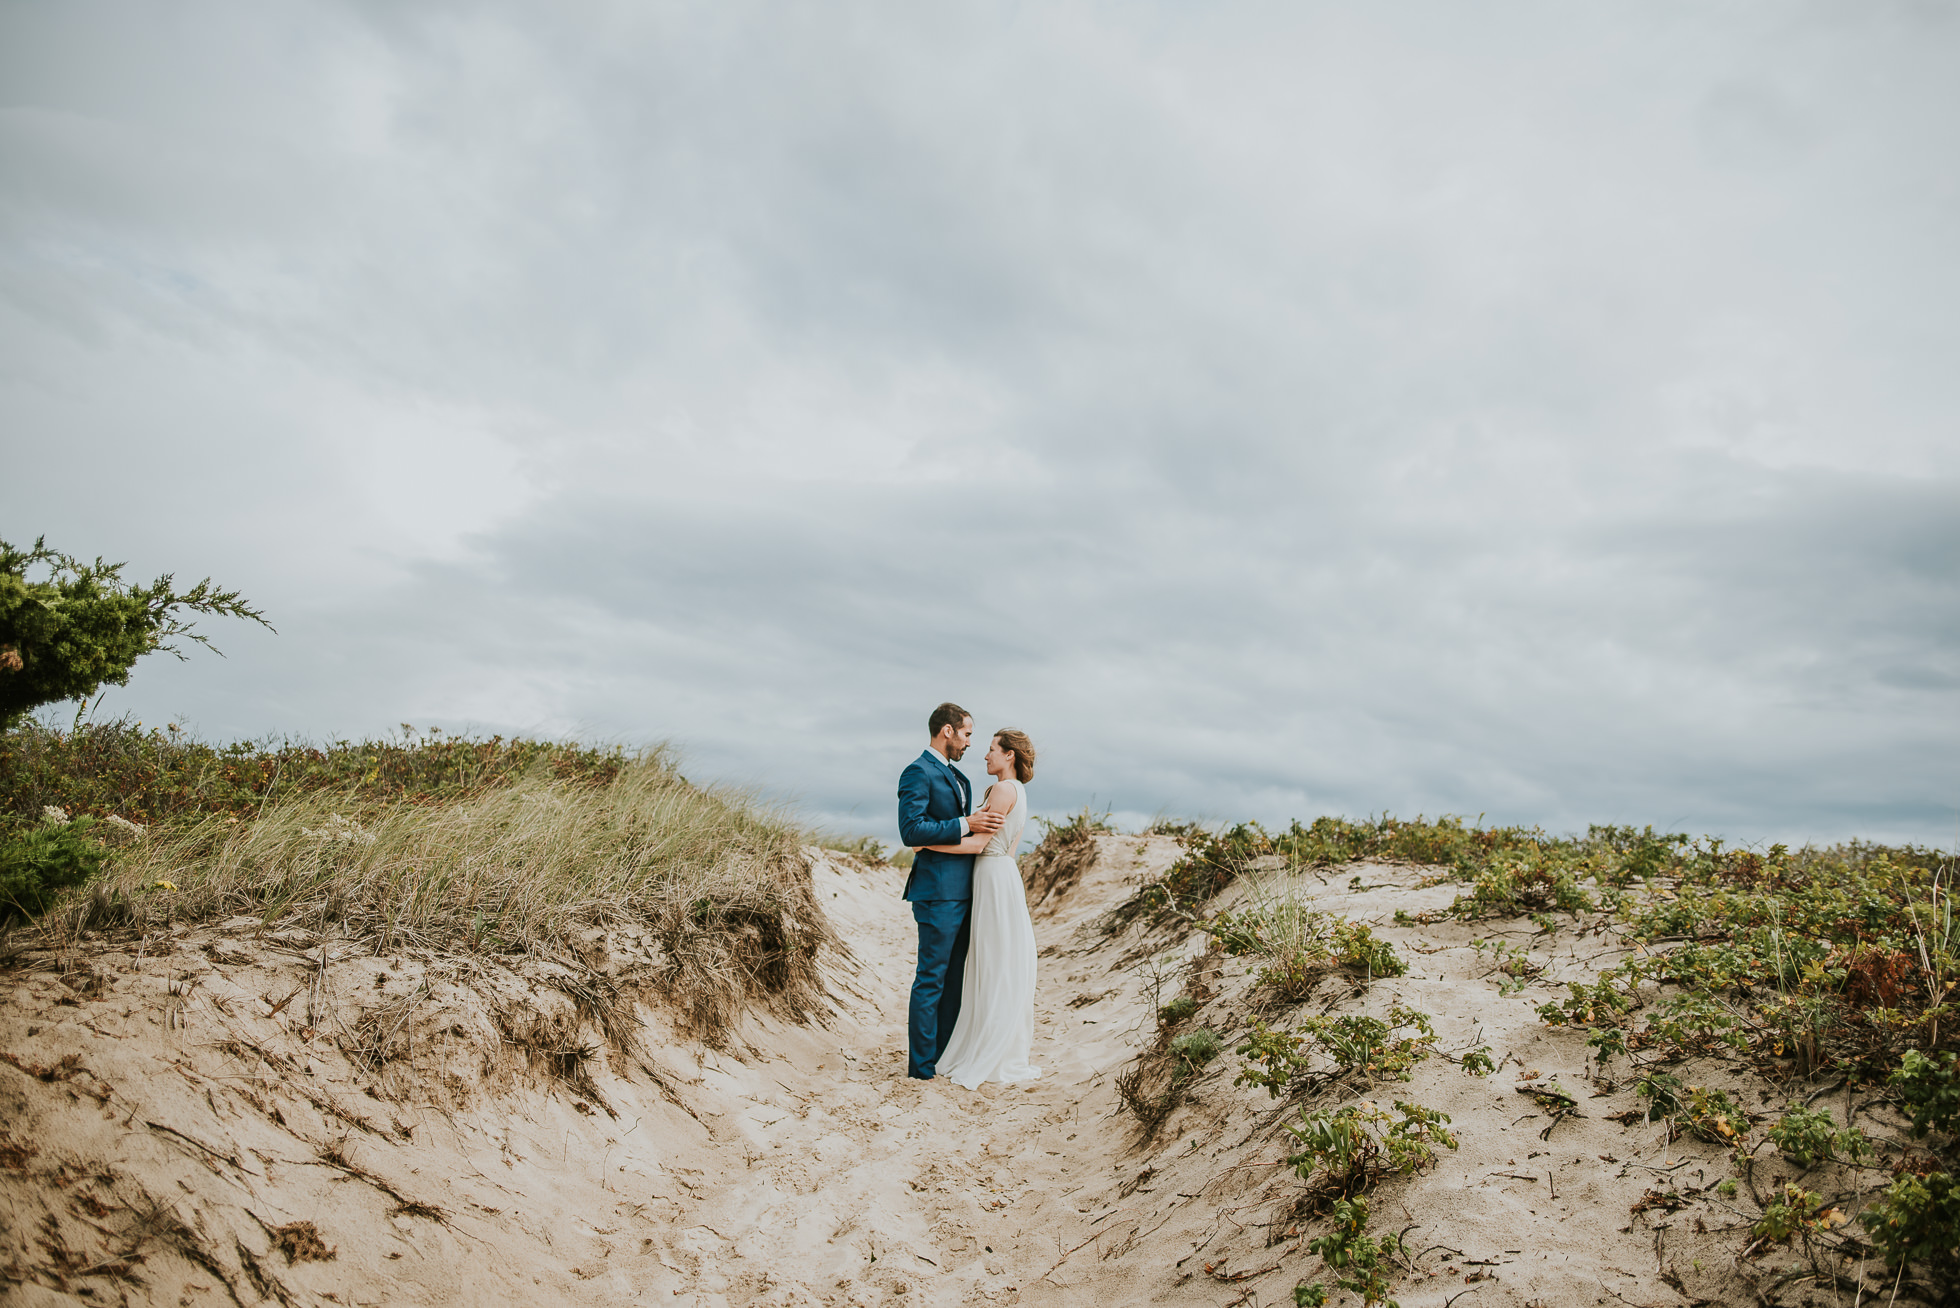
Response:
column 715, row 885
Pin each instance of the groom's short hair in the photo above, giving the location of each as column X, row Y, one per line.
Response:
column 948, row 714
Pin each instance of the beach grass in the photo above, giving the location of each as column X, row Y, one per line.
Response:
column 493, row 847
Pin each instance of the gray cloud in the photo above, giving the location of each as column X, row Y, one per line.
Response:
column 1274, row 409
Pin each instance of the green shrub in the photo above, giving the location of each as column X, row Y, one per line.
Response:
column 1607, row 999
column 1080, row 826
column 1353, row 1147
column 80, row 626
column 1663, row 1094
column 1930, row 1090
column 1511, row 961
column 1606, row 1042
column 1807, row 1137
column 1299, row 945
column 38, row 863
column 1194, row 1049
column 1836, row 958
column 1528, row 881
column 1712, row 1116
column 1355, row 945
column 1371, row 1045
column 1445, row 842
column 1917, row 1219
column 1641, row 855
column 1211, row 863
column 1353, row 1042
column 1694, row 1024
column 1706, row 1114
column 1274, row 1058
column 1795, row 1210
column 1293, row 940
column 1361, row 1260
column 1177, row 1010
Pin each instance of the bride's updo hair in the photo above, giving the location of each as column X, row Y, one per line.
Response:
column 1018, row 744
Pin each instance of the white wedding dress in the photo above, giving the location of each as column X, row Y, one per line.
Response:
column 995, row 1031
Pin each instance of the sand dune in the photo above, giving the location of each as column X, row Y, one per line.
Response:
column 225, row 1114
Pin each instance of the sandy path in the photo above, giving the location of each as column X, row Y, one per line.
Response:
column 864, row 1186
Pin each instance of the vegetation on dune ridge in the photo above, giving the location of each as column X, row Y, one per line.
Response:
column 493, row 846
column 1813, row 970
column 166, row 775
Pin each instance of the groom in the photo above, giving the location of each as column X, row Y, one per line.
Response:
column 934, row 800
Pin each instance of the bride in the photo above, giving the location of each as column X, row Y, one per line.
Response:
column 995, row 1029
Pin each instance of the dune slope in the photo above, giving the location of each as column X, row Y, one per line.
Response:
column 222, row 1114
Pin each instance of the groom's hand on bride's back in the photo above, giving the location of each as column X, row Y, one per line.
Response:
column 985, row 820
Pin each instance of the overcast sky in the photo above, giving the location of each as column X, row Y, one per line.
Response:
column 1539, row 410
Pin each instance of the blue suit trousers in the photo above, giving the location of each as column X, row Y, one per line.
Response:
column 943, row 933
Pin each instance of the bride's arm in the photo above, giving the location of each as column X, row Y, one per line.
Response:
column 1000, row 799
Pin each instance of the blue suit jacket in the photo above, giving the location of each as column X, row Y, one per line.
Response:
column 932, row 798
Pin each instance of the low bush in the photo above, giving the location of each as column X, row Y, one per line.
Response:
column 38, row 863
column 1802, row 964
column 1362, row 1263
column 1274, row 1059
column 1212, row 861
column 1345, row 1151
column 1511, row 962
column 1177, row 1010
column 1929, row 1090
column 1917, row 1220
column 1795, row 1211
column 1664, row 1094
column 1808, row 1137
column 1297, row 946
column 1354, row 1043
column 1712, row 1116
column 1513, row 870
column 1703, row 1113
column 1194, row 1049
column 1529, row 880
column 1357, row 948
